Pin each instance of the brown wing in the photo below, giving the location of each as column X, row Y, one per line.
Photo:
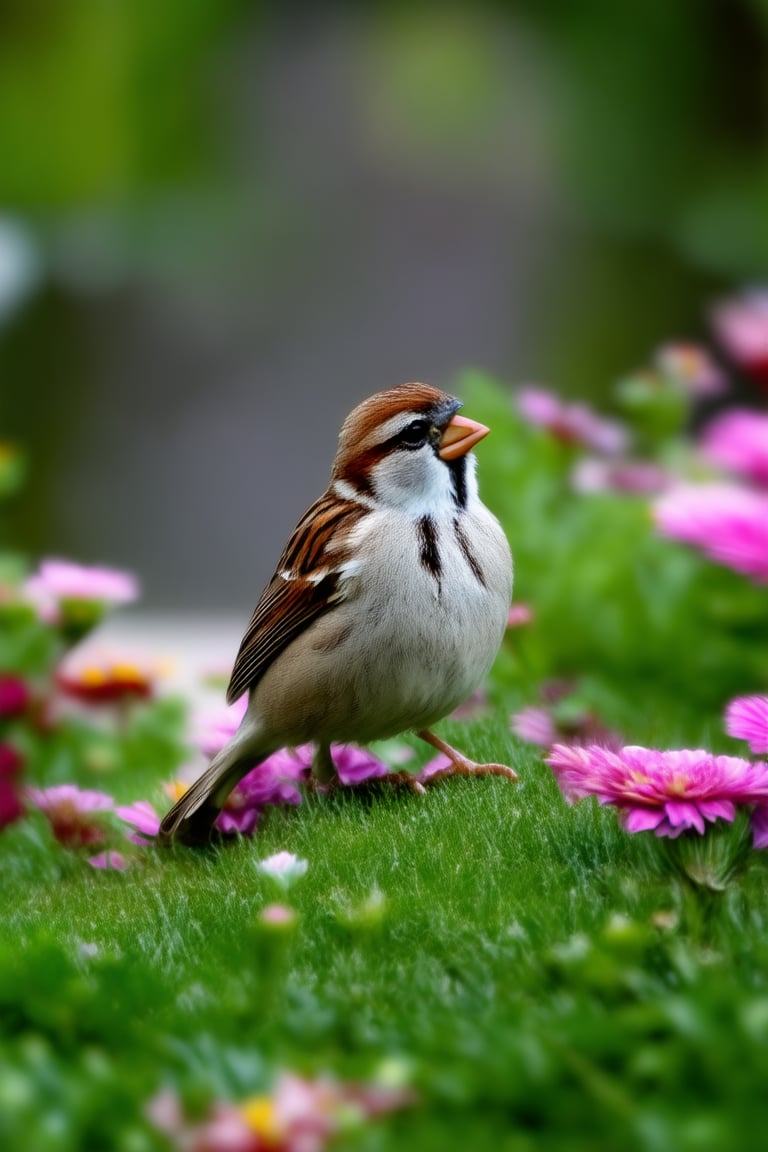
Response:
column 308, row 581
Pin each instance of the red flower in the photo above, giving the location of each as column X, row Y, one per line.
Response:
column 106, row 683
column 14, row 697
column 741, row 326
column 10, row 804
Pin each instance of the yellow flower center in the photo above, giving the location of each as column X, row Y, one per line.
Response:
column 678, row 786
column 127, row 673
column 259, row 1114
column 175, row 789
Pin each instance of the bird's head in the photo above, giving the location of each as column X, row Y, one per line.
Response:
column 407, row 447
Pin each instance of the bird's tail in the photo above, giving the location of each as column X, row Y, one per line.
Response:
column 191, row 819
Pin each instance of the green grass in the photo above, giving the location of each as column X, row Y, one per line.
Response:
column 497, row 947
column 542, row 979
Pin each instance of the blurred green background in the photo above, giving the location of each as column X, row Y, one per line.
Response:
column 223, row 223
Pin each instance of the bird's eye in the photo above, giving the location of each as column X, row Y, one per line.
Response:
column 415, row 434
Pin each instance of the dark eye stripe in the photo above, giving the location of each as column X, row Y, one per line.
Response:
column 414, row 435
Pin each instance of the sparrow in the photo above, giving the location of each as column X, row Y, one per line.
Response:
column 386, row 609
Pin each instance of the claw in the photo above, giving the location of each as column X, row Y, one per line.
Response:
column 461, row 765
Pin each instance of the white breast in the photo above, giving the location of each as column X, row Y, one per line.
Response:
column 429, row 636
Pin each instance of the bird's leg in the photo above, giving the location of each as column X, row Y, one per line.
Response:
column 323, row 776
column 460, row 765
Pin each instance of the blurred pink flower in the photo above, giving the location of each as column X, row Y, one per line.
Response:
column 691, row 366
column 14, row 697
column 141, row 816
column 571, row 423
column 73, row 813
column 437, row 764
column 741, row 326
column 57, row 580
column 277, row 916
column 534, row 725
column 519, row 615
column 215, row 730
column 285, row 867
column 728, row 523
column 562, row 720
column 760, row 827
column 664, row 792
column 274, row 781
column 356, row 765
column 746, row 718
column 110, row 861
column 299, row 1115
column 737, row 440
column 11, row 763
column 634, row 477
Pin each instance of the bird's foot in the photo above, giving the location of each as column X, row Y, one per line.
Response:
column 403, row 779
column 314, row 787
column 460, row 765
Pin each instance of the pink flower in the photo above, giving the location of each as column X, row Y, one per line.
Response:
column 71, row 813
column 214, row 731
column 664, row 792
column 299, row 1115
column 534, row 725
column 737, row 440
column 437, row 764
column 272, row 782
column 571, row 423
column 634, row 477
column 110, row 861
column 741, row 326
column 73, row 598
column 141, row 816
column 275, row 780
column 691, row 366
column 728, row 523
column 63, row 580
column 519, row 615
column 277, row 916
column 11, row 763
column 562, row 720
column 760, row 827
column 356, row 765
column 746, row 718
column 284, row 867
column 14, row 697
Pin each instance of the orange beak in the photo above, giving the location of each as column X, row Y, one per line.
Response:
column 460, row 436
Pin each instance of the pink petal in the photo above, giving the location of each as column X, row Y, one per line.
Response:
column 746, row 718
column 243, row 823
column 717, row 810
column 438, row 764
column 643, row 819
column 683, row 815
column 355, row 765
column 142, row 816
column 760, row 827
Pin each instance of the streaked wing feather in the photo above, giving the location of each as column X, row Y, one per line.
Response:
column 287, row 606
